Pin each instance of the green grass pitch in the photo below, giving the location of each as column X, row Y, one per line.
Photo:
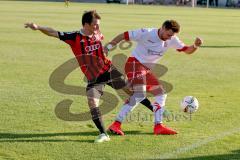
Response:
column 30, row 130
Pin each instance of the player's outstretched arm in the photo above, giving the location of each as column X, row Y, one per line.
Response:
column 46, row 30
column 197, row 43
column 114, row 42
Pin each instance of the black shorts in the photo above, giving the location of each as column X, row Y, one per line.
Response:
column 112, row 77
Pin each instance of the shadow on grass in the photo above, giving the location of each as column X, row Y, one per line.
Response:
column 39, row 135
column 42, row 135
column 235, row 155
column 25, row 137
column 127, row 133
column 46, row 140
column 20, row 137
column 130, row 133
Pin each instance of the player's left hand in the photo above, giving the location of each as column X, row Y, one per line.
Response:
column 31, row 25
column 198, row 42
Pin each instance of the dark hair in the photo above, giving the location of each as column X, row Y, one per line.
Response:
column 88, row 16
column 171, row 24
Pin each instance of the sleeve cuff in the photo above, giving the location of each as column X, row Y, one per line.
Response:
column 126, row 36
column 183, row 49
column 60, row 35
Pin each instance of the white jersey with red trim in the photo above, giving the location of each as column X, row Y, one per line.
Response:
column 150, row 48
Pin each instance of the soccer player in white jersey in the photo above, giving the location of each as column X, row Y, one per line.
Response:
column 151, row 46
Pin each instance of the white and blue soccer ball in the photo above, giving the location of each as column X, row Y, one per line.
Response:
column 189, row 104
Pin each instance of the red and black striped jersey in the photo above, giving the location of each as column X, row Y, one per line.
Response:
column 88, row 51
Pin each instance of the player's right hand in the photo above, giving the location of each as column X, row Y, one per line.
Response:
column 105, row 50
column 108, row 47
column 33, row 26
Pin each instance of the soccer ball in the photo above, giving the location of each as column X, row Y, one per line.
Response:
column 189, row 104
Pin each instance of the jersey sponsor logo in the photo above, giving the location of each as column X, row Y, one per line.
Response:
column 152, row 52
column 92, row 48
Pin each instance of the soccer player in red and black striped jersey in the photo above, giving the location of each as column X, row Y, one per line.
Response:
column 88, row 50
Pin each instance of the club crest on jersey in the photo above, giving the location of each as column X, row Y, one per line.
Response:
column 139, row 76
column 94, row 38
column 92, row 48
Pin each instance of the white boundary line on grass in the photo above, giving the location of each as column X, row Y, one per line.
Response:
column 198, row 144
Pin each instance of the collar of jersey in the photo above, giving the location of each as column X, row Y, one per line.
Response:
column 85, row 34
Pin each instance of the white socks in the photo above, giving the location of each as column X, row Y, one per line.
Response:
column 158, row 113
column 134, row 100
column 126, row 108
column 158, row 108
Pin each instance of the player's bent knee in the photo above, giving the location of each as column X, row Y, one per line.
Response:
column 93, row 96
column 93, row 103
